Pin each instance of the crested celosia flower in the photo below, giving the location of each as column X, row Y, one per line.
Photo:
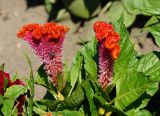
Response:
column 47, row 41
column 21, row 98
column 109, row 51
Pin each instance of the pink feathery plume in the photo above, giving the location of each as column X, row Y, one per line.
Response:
column 47, row 42
column 108, row 51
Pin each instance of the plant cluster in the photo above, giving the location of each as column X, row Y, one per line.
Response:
column 107, row 76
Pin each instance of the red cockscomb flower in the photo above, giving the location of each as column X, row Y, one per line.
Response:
column 47, row 41
column 3, row 76
column 21, row 98
column 109, row 51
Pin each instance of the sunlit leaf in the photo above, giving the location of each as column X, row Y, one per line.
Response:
column 83, row 8
column 67, row 113
column 15, row 91
column 150, row 66
column 73, row 101
column 115, row 12
column 7, row 107
column 146, row 7
column 90, row 94
column 75, row 70
column 153, row 26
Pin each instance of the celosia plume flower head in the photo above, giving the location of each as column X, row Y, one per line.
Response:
column 50, row 30
column 102, row 30
column 105, row 32
column 108, row 49
column 47, row 42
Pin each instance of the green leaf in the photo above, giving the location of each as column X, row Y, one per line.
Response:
column 5, row 82
column 153, row 26
column 73, row 101
column 133, row 76
column 115, row 12
column 90, row 95
column 38, row 110
column 135, row 112
column 89, row 52
column 1, row 100
column 7, row 107
column 127, row 60
column 83, row 8
column 2, row 67
column 150, row 66
column 48, row 5
column 75, row 71
column 40, row 105
column 142, row 101
column 90, row 65
column 15, row 91
column 42, row 78
column 60, row 81
column 135, row 85
column 31, row 87
column 67, row 113
column 110, row 108
column 14, row 111
column 52, row 105
column 146, row 7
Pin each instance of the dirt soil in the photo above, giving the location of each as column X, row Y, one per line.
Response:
column 15, row 13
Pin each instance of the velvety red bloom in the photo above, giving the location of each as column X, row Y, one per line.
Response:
column 21, row 98
column 50, row 30
column 108, row 49
column 102, row 30
column 26, row 28
column 4, row 75
column 106, row 32
column 47, row 41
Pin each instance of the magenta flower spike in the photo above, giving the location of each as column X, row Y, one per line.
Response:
column 108, row 51
column 47, row 42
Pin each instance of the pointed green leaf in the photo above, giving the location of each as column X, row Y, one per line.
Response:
column 90, row 95
column 119, row 8
column 1, row 99
column 38, row 111
column 73, row 101
column 150, row 66
column 31, row 87
column 127, row 60
column 153, row 26
column 52, row 105
column 15, row 91
column 110, row 108
column 130, row 87
column 67, row 113
column 42, row 78
column 89, row 52
column 2, row 67
column 146, row 7
column 7, row 107
column 75, row 70
column 135, row 112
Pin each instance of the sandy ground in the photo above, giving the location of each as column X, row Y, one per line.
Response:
column 13, row 14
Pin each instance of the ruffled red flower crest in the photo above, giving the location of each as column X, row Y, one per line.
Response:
column 51, row 30
column 105, row 32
